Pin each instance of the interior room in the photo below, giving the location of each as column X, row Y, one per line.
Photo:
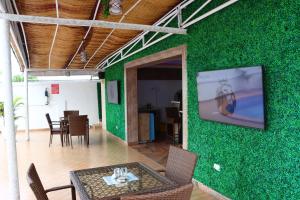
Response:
column 159, row 96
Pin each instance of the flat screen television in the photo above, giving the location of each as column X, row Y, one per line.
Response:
column 233, row 96
column 113, row 92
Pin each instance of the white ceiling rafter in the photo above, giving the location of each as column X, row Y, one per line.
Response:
column 86, row 34
column 24, row 35
column 197, row 11
column 54, row 37
column 87, row 23
column 125, row 51
column 144, row 40
column 62, row 72
column 122, row 18
column 213, row 11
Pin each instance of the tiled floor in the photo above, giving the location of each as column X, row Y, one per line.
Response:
column 54, row 164
column 157, row 151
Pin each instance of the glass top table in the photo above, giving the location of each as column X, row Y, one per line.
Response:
column 89, row 183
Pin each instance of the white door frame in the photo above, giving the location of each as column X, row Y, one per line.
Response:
column 103, row 104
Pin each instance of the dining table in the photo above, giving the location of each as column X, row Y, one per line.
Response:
column 91, row 184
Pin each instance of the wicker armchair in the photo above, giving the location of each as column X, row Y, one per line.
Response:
column 78, row 126
column 181, row 193
column 55, row 129
column 37, row 187
column 180, row 165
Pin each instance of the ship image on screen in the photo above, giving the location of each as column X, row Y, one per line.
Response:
column 233, row 96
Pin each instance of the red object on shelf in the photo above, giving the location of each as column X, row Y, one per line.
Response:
column 54, row 88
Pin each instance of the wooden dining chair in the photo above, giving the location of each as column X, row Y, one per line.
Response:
column 180, row 165
column 181, row 193
column 173, row 124
column 78, row 126
column 66, row 125
column 70, row 112
column 55, row 129
column 37, row 187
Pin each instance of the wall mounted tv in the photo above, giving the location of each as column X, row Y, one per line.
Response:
column 233, row 96
column 113, row 92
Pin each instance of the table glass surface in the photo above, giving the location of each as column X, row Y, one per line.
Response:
column 89, row 183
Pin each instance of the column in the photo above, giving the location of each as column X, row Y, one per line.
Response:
column 5, row 63
column 26, row 104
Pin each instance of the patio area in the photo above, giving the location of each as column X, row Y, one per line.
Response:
column 207, row 89
column 54, row 164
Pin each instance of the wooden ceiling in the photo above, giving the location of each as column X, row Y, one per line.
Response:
column 99, row 43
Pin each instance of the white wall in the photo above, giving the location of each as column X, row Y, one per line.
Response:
column 77, row 95
column 159, row 93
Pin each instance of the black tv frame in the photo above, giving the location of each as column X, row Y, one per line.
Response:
column 263, row 96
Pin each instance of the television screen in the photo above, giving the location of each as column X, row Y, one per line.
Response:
column 113, row 92
column 233, row 96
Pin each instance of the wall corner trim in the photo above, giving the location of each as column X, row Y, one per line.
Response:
column 116, row 137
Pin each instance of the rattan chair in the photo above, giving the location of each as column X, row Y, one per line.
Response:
column 180, row 165
column 78, row 126
column 37, row 187
column 55, row 129
column 181, row 193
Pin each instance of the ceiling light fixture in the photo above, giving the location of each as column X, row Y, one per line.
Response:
column 83, row 56
column 115, row 7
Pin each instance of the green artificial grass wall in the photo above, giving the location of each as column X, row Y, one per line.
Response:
column 255, row 164
column 115, row 117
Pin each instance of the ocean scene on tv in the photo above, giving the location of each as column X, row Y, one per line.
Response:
column 233, row 96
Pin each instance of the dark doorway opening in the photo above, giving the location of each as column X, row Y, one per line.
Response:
column 159, row 94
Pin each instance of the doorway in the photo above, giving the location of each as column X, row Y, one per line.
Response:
column 160, row 102
column 146, row 68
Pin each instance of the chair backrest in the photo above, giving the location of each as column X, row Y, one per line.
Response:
column 77, row 124
column 181, row 193
column 70, row 112
column 49, row 121
column 35, row 183
column 172, row 113
column 180, row 165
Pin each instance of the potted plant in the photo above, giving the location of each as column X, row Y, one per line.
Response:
column 17, row 103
